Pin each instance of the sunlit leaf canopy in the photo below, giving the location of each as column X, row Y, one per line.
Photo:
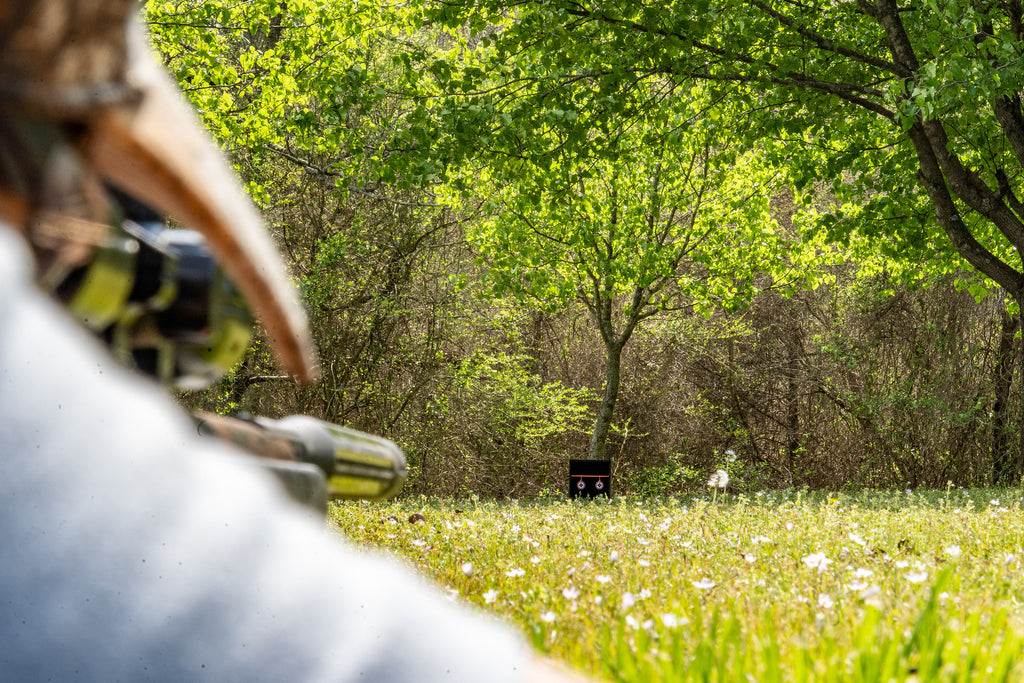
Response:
column 665, row 220
column 823, row 88
column 297, row 82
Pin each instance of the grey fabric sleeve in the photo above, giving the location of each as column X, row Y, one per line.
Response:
column 133, row 552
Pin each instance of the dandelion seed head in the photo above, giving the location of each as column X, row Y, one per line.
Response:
column 719, row 480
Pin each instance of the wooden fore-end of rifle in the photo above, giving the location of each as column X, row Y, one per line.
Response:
column 314, row 460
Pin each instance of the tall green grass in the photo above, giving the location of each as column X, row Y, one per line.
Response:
column 774, row 587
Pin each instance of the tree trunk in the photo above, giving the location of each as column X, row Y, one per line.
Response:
column 612, row 372
column 1003, row 465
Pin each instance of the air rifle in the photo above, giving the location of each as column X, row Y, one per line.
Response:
column 313, row 459
column 165, row 307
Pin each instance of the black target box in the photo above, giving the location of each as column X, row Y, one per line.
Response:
column 590, row 478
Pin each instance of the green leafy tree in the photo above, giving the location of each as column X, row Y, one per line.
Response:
column 651, row 220
column 911, row 112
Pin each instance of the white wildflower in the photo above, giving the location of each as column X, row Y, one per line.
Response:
column 644, row 594
column 614, row 556
column 490, row 596
column 871, row 591
column 534, row 560
column 603, row 578
column 856, row 538
column 953, row 551
column 760, row 539
column 628, row 600
column 467, row 568
column 570, row 593
column 817, row 561
column 516, row 571
column 915, row 577
column 548, row 617
column 862, row 573
column 825, row 601
column 669, row 620
column 632, row 622
column 704, row 584
column 643, row 563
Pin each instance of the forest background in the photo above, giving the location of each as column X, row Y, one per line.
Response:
column 769, row 238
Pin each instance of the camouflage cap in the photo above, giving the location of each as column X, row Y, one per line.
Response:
column 88, row 61
column 64, row 57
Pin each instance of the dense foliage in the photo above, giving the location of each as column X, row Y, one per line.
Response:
column 681, row 228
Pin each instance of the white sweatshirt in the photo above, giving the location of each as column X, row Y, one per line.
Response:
column 131, row 551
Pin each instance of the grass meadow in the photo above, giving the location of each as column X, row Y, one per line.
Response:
column 877, row 586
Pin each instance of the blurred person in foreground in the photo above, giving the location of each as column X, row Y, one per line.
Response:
column 134, row 551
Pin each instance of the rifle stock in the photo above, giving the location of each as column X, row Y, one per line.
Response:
column 314, row 460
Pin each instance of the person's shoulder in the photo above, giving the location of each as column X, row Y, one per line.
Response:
column 15, row 260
